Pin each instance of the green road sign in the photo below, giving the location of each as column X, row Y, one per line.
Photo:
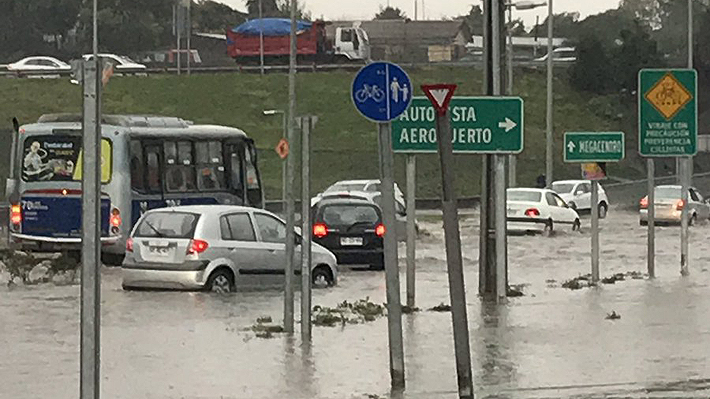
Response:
column 594, row 147
column 668, row 112
column 480, row 125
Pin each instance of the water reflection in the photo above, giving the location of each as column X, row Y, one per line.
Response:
column 492, row 348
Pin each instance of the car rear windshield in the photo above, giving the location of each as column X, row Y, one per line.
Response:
column 346, row 187
column 526, row 196
column 562, row 188
column 667, row 192
column 348, row 215
column 168, row 225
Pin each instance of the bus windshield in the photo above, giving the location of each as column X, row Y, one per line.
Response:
column 58, row 158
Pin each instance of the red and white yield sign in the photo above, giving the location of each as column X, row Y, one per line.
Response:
column 282, row 148
column 440, row 96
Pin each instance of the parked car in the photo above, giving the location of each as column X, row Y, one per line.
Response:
column 578, row 195
column 121, row 64
column 370, row 186
column 668, row 206
column 39, row 64
column 561, row 54
column 352, row 229
column 538, row 210
column 213, row 247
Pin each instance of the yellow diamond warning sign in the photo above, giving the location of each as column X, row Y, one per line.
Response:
column 668, row 96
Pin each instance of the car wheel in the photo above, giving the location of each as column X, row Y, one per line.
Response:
column 221, row 281
column 549, row 228
column 643, row 223
column 576, row 225
column 603, row 210
column 322, row 277
column 692, row 220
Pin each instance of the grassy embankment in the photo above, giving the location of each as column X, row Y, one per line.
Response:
column 345, row 144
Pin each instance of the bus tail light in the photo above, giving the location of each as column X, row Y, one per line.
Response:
column 380, row 230
column 115, row 221
column 129, row 244
column 16, row 214
column 197, row 247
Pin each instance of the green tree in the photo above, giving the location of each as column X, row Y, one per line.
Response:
column 390, row 13
column 593, row 68
column 474, row 20
column 564, row 25
column 211, row 16
column 269, row 8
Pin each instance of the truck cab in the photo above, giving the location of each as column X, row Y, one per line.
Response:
column 351, row 44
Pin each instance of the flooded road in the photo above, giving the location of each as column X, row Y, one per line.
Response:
column 552, row 342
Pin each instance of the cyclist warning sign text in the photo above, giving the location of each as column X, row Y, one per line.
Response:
column 668, row 113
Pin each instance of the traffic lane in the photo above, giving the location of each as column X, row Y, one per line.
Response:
column 167, row 344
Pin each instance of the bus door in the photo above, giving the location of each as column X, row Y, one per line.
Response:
column 245, row 179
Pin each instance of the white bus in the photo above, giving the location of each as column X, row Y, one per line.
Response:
column 147, row 162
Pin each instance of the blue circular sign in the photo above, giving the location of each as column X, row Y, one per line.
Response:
column 382, row 91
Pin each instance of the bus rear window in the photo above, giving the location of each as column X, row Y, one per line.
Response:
column 58, row 158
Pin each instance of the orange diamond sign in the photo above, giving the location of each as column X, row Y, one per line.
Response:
column 282, row 148
column 668, row 96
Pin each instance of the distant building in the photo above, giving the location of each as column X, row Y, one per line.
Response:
column 414, row 41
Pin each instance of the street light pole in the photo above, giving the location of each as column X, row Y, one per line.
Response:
column 261, row 38
column 548, row 136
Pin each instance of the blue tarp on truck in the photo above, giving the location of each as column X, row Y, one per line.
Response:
column 270, row 27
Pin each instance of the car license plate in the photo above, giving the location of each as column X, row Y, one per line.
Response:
column 350, row 241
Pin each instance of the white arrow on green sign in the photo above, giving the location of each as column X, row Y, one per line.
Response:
column 594, row 147
column 480, row 125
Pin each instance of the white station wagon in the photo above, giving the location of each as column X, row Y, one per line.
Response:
column 542, row 210
column 215, row 248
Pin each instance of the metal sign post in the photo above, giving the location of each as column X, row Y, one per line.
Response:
column 411, row 228
column 91, row 234
column 440, row 95
column 382, row 91
column 306, row 123
column 592, row 150
column 651, row 209
column 290, row 168
column 668, row 127
column 394, row 304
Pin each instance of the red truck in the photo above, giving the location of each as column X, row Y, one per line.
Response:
column 314, row 42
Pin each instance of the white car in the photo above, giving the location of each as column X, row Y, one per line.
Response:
column 561, row 54
column 668, row 206
column 121, row 64
column 538, row 209
column 39, row 64
column 215, row 248
column 369, row 186
column 578, row 195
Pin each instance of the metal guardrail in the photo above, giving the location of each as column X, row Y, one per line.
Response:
column 274, row 68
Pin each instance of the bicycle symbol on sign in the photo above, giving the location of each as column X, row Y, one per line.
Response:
column 372, row 92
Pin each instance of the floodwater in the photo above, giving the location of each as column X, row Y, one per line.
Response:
column 552, row 342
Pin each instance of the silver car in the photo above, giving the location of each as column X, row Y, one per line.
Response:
column 668, row 205
column 215, row 248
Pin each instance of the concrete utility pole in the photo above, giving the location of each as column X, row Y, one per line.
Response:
column 90, row 349
column 489, row 251
column 261, row 38
column 686, row 166
column 290, row 167
column 306, row 123
column 549, row 137
column 189, row 33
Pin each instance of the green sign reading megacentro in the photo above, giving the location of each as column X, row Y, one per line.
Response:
column 480, row 125
column 594, row 147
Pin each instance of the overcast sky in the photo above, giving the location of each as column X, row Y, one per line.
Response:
column 435, row 9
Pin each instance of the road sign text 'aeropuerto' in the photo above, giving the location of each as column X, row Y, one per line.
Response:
column 478, row 124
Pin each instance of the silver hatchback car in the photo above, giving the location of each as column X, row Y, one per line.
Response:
column 213, row 247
